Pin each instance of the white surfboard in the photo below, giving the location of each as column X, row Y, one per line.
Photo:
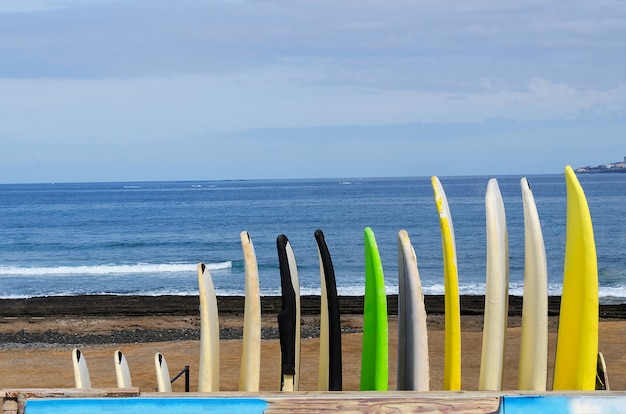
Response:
column 497, row 292
column 162, row 373
column 413, row 364
column 81, row 372
column 209, row 373
column 122, row 372
column 290, row 370
column 250, row 372
column 533, row 362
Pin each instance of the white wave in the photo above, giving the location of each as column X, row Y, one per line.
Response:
column 109, row 269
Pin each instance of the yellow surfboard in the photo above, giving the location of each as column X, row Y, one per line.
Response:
column 452, row 347
column 577, row 344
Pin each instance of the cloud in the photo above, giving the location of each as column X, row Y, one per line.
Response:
column 36, row 6
column 434, row 46
column 138, row 81
column 281, row 97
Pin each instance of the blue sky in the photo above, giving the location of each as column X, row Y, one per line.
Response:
column 106, row 90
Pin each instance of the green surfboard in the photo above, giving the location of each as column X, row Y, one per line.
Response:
column 375, row 355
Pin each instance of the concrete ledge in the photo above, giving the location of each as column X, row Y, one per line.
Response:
column 511, row 402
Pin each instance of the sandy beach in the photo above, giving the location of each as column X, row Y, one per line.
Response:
column 37, row 336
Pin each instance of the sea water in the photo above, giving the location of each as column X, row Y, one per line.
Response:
column 146, row 238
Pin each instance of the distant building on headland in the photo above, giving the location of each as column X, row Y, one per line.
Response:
column 614, row 167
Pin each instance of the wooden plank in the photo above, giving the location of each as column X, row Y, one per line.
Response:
column 70, row 392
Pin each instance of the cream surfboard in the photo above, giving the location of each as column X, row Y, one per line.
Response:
column 122, row 372
column 81, row 372
column 577, row 343
column 375, row 349
column 413, row 364
column 249, row 374
column 533, row 361
column 330, row 365
column 497, row 292
column 289, row 316
column 602, row 376
column 162, row 373
column 209, row 372
column 452, row 346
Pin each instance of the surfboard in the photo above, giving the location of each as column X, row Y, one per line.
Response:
column 533, row 362
column 209, row 372
column 122, row 372
column 329, row 373
column 250, row 371
column 375, row 350
column 577, row 338
column 602, row 376
column 497, row 292
column 452, row 346
column 162, row 373
column 81, row 372
column 413, row 371
column 289, row 316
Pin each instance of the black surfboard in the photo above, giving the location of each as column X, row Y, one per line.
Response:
column 289, row 316
column 332, row 348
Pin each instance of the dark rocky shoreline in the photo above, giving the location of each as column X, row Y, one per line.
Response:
column 113, row 305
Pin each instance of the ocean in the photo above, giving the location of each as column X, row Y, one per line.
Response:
column 146, row 238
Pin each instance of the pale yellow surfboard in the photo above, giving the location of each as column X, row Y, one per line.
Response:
column 250, row 372
column 533, row 361
column 81, row 372
column 497, row 292
column 452, row 347
column 162, row 373
column 209, row 372
column 122, row 372
column 577, row 343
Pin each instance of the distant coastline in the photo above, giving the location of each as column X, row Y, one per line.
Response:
column 614, row 167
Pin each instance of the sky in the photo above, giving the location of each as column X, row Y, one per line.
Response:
column 135, row 90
